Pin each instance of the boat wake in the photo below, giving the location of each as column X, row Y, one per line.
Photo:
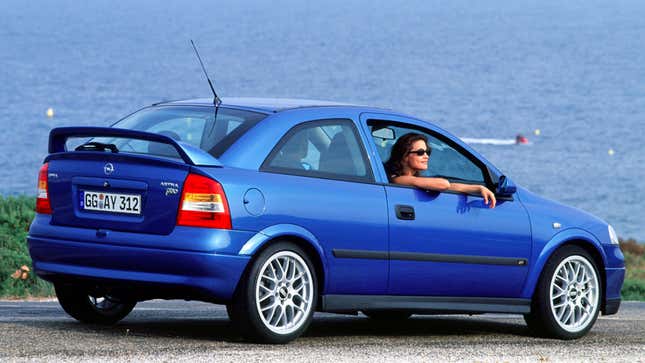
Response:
column 470, row 140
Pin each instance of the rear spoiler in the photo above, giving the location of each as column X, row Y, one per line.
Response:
column 189, row 154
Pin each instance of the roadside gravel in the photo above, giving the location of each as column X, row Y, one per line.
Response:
column 164, row 331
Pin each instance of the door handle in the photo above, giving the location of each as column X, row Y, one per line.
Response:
column 404, row 212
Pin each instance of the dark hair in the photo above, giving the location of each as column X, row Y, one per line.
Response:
column 400, row 149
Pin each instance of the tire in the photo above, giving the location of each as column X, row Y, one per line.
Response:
column 387, row 315
column 276, row 299
column 567, row 298
column 80, row 305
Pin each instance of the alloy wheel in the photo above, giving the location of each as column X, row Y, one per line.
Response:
column 284, row 292
column 103, row 303
column 574, row 293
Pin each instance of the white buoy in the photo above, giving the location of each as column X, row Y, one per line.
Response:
column 610, row 152
column 50, row 112
column 537, row 132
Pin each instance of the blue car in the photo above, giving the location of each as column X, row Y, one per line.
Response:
column 279, row 208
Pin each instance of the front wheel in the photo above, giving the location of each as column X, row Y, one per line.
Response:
column 276, row 299
column 567, row 299
column 92, row 308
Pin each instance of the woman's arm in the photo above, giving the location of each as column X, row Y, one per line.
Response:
column 441, row 184
column 438, row 184
column 489, row 197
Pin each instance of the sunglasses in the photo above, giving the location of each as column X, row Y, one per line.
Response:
column 420, row 152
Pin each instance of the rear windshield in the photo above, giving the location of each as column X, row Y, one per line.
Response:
column 191, row 124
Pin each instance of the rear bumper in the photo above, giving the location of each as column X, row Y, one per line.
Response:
column 140, row 272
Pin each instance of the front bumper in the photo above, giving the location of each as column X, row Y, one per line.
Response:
column 611, row 306
column 615, row 278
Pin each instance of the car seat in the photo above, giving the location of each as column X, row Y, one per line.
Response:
column 337, row 158
column 292, row 153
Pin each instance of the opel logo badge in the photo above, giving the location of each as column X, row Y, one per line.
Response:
column 108, row 169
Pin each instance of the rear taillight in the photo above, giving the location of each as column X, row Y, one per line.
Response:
column 42, row 200
column 203, row 204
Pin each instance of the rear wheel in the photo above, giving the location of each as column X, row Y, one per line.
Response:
column 92, row 308
column 276, row 299
column 567, row 299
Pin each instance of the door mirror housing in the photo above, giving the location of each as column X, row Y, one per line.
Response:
column 505, row 186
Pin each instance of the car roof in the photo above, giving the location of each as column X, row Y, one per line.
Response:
column 262, row 104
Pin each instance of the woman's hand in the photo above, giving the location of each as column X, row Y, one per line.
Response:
column 489, row 197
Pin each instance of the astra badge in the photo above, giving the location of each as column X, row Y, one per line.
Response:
column 171, row 187
column 108, row 169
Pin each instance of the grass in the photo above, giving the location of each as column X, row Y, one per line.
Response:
column 634, row 285
column 16, row 214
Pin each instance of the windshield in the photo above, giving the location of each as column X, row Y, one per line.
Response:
column 195, row 125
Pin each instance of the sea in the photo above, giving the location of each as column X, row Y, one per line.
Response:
column 567, row 75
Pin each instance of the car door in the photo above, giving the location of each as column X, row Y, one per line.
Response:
column 318, row 177
column 451, row 244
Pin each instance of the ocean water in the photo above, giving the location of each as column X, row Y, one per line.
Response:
column 575, row 70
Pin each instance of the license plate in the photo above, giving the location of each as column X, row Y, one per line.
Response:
column 111, row 202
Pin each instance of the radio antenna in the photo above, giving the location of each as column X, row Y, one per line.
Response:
column 216, row 99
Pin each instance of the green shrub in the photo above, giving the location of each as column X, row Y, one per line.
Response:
column 633, row 290
column 16, row 214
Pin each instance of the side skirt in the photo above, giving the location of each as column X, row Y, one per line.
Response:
column 425, row 304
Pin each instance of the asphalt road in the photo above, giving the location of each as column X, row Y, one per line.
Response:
column 190, row 331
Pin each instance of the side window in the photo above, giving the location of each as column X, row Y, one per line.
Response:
column 449, row 163
column 324, row 149
column 446, row 160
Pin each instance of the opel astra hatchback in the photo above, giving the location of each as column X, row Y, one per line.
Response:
column 279, row 208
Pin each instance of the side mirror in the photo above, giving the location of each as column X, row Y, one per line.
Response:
column 384, row 133
column 505, row 186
